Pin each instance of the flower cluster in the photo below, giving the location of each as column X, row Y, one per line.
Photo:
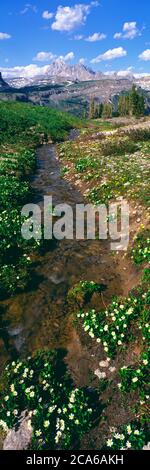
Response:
column 133, row 436
column 137, row 377
column 18, row 164
column 111, row 327
column 141, row 250
column 14, row 253
column 12, row 192
column 14, row 277
column 59, row 413
column 111, row 167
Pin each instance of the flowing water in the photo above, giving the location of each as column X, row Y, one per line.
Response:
column 37, row 318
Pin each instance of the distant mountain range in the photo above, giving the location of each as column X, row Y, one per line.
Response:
column 70, row 87
column 59, row 72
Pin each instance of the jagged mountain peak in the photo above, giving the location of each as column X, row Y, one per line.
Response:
column 70, row 72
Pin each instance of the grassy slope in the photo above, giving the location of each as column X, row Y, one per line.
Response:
column 16, row 121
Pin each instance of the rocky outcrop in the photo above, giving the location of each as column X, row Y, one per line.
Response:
column 70, row 72
column 147, row 447
column 3, row 84
column 19, row 439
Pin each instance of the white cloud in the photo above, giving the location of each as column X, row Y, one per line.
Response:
column 96, row 37
column 47, row 15
column 44, row 56
column 28, row 71
column 69, row 56
column 48, row 56
column 82, row 61
column 32, row 70
column 117, row 35
column 110, row 55
column 145, row 55
column 4, row 36
column 109, row 73
column 68, row 18
column 129, row 31
column 124, row 73
column 121, row 73
column 129, row 72
column 29, row 7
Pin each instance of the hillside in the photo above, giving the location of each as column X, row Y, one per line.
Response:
column 72, row 97
column 18, row 121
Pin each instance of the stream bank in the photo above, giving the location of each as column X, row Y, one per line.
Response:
column 38, row 318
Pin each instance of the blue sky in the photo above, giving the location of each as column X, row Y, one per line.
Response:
column 108, row 35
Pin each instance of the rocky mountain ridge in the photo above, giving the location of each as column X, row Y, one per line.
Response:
column 3, row 84
column 60, row 72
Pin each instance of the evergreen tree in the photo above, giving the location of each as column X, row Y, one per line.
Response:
column 92, row 109
column 96, row 111
column 124, row 105
column 134, row 100
column 137, row 103
column 133, row 103
column 84, row 114
column 141, row 106
column 101, row 106
column 107, row 111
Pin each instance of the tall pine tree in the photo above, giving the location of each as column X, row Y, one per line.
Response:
column 92, row 109
column 137, row 103
column 107, row 111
